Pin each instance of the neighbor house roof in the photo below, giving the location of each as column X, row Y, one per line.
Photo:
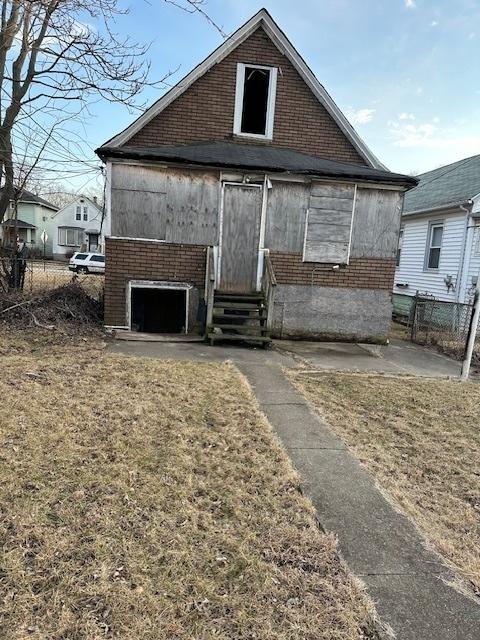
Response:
column 77, row 199
column 452, row 185
column 29, row 197
column 255, row 157
column 20, row 224
column 261, row 19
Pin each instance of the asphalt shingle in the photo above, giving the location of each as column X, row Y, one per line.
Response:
column 450, row 185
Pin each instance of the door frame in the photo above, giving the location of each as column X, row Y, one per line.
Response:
column 262, row 226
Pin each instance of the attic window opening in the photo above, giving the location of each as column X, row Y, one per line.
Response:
column 255, row 100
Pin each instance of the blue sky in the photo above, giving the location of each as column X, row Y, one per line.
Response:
column 406, row 72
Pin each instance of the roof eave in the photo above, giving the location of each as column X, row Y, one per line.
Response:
column 443, row 207
column 118, row 153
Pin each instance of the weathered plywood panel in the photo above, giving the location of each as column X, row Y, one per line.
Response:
column 330, row 252
column 138, row 178
column 332, row 190
column 329, row 222
column 286, row 213
column 318, row 230
column 192, row 207
column 138, row 214
column 242, row 206
column 335, row 204
column 165, row 204
column 376, row 223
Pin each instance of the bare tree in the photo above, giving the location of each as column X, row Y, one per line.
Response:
column 54, row 63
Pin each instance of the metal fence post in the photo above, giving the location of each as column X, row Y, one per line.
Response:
column 471, row 336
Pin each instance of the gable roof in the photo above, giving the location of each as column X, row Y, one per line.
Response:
column 28, row 197
column 451, row 185
column 76, row 199
column 261, row 19
column 255, row 157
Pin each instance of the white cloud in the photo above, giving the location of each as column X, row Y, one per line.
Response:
column 410, row 4
column 360, row 116
column 429, row 135
column 434, row 23
column 406, row 116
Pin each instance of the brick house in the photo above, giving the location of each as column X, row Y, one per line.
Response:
column 243, row 203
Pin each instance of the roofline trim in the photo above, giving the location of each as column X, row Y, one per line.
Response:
column 280, row 40
column 450, row 205
column 189, row 164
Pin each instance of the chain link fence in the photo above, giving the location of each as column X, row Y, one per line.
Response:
column 443, row 324
column 33, row 277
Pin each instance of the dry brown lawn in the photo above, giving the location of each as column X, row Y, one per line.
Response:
column 421, row 440
column 144, row 499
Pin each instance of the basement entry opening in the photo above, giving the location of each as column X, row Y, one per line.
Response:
column 158, row 308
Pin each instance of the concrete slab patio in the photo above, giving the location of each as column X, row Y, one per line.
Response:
column 406, row 580
column 399, row 357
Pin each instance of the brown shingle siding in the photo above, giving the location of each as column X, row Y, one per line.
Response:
column 205, row 111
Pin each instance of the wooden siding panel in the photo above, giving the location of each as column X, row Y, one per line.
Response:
column 192, row 208
column 138, row 214
column 286, row 213
column 138, row 178
column 376, row 223
column 173, row 205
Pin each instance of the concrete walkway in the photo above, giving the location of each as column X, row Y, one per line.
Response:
column 381, row 546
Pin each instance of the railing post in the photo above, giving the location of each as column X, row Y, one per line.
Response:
column 209, row 288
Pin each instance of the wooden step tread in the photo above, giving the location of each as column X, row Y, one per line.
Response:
column 235, row 327
column 236, row 305
column 238, row 336
column 238, row 316
column 225, row 294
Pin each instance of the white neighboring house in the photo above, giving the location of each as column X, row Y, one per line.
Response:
column 439, row 245
column 78, row 226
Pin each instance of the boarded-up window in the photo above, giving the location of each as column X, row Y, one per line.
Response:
column 329, row 223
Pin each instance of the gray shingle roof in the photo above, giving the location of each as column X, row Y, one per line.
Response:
column 257, row 157
column 27, row 196
column 453, row 184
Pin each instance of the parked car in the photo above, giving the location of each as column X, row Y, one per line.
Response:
column 87, row 263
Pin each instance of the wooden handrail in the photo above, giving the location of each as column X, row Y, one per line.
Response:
column 269, row 282
column 209, row 287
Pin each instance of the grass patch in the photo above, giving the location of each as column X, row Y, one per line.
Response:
column 421, row 440
column 149, row 499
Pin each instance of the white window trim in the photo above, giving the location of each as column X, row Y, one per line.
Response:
column 433, row 224
column 157, row 284
column 78, row 231
column 272, row 93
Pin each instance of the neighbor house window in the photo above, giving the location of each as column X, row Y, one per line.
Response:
column 476, row 238
column 434, row 246
column 399, row 246
column 255, row 100
column 70, row 236
column 78, row 215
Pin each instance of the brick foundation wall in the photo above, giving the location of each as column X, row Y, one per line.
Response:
column 361, row 273
column 205, row 110
column 140, row 260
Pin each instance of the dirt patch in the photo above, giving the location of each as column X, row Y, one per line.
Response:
column 149, row 499
column 421, row 440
